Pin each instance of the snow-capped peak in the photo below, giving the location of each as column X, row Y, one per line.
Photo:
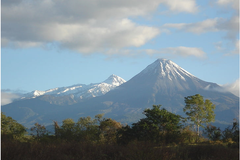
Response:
column 167, row 68
column 114, row 80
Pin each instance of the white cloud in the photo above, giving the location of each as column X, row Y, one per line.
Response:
column 208, row 25
column 236, row 51
column 119, row 34
column 179, row 51
column 232, row 87
column 7, row 98
column 84, row 26
column 233, row 3
column 182, row 6
column 230, row 26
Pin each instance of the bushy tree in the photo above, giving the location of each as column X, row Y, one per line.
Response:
column 189, row 135
column 10, row 128
column 199, row 111
column 84, row 129
column 87, row 129
column 228, row 134
column 67, row 130
column 108, row 128
column 39, row 131
column 125, row 135
column 159, row 125
column 213, row 133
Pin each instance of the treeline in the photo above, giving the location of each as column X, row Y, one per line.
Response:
column 159, row 126
column 167, row 132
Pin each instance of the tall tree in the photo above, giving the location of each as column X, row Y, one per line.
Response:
column 199, row 111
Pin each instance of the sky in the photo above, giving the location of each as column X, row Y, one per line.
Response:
column 50, row 43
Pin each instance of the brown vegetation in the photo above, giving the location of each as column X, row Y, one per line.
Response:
column 15, row 150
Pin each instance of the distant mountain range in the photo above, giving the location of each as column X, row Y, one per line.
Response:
column 162, row 82
column 76, row 93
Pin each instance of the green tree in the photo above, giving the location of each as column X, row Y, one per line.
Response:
column 10, row 128
column 159, row 125
column 199, row 111
column 67, row 130
column 87, row 129
column 162, row 119
column 84, row 129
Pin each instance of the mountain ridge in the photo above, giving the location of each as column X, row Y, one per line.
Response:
column 80, row 91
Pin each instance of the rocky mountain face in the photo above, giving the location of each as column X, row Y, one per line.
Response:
column 162, row 82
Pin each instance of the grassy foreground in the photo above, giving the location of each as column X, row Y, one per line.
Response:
column 62, row 150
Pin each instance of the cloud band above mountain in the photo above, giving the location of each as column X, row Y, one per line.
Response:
column 7, row 98
column 83, row 26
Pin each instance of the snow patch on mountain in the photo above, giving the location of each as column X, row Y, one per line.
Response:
column 81, row 90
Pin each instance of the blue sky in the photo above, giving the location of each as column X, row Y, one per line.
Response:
column 50, row 43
